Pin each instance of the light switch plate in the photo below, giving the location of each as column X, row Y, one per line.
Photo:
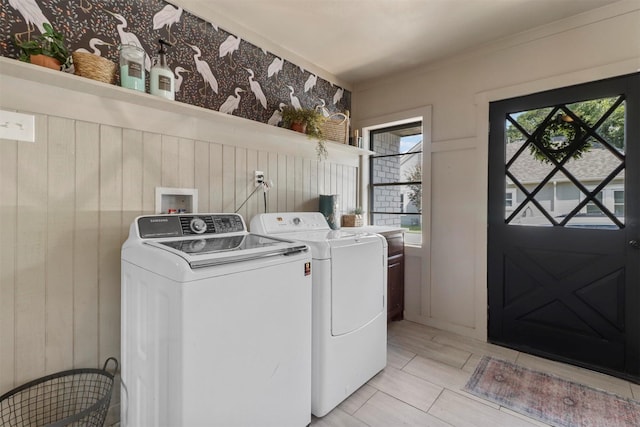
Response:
column 17, row 126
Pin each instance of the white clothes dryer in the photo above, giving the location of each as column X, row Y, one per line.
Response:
column 216, row 325
column 349, row 272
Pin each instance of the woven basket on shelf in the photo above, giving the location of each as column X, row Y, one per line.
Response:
column 336, row 128
column 94, row 67
column 352, row 220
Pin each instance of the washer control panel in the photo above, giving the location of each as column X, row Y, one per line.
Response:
column 198, row 225
column 162, row 226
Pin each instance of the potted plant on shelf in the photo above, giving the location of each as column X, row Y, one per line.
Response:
column 47, row 49
column 309, row 122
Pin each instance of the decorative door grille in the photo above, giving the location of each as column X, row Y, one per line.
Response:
column 565, row 165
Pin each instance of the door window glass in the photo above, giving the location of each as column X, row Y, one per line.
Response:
column 565, row 165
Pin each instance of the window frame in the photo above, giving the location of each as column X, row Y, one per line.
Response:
column 607, row 198
column 423, row 114
column 514, row 194
column 372, row 157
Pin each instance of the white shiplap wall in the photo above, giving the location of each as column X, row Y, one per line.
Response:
column 446, row 279
column 67, row 200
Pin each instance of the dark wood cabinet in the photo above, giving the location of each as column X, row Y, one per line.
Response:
column 395, row 275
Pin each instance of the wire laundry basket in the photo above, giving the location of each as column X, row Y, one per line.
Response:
column 77, row 397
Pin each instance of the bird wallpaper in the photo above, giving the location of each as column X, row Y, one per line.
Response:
column 213, row 68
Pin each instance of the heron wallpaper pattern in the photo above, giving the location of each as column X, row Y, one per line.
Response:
column 213, row 68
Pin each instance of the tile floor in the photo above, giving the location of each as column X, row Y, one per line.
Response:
column 426, row 371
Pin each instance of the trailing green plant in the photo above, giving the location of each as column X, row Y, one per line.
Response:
column 313, row 120
column 358, row 210
column 50, row 43
column 321, row 149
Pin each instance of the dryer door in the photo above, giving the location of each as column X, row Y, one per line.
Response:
column 358, row 283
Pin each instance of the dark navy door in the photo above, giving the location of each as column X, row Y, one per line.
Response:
column 564, row 224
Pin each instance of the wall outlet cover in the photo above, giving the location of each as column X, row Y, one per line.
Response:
column 17, row 126
column 259, row 178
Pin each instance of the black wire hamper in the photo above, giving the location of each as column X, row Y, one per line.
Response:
column 77, row 397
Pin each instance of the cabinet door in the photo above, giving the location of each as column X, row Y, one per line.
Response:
column 395, row 243
column 395, row 287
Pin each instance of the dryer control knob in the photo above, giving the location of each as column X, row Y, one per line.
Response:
column 296, row 221
column 198, row 225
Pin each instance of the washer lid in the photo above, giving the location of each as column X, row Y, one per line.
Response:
column 210, row 251
column 213, row 245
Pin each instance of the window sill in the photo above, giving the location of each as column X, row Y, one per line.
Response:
column 412, row 250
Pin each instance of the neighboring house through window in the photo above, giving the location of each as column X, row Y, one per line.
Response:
column 565, row 165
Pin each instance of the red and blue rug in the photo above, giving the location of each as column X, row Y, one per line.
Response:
column 550, row 399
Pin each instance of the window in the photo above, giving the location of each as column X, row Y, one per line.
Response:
column 396, row 178
column 612, row 199
column 618, row 203
column 510, row 199
column 592, row 209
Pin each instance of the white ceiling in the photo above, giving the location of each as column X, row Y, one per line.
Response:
column 359, row 40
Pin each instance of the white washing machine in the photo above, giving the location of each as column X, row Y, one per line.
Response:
column 216, row 325
column 349, row 303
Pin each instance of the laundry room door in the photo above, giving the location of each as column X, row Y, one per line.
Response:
column 564, row 224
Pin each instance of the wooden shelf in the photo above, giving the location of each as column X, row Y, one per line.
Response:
column 83, row 98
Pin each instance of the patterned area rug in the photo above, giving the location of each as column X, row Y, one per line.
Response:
column 550, row 399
